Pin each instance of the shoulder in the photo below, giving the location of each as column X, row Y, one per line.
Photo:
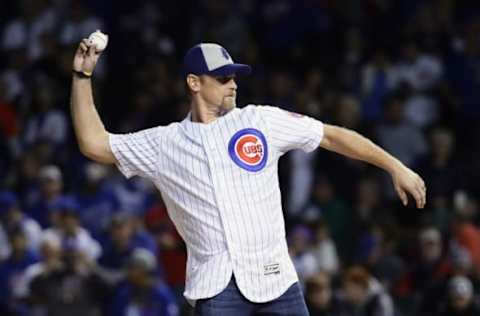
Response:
column 258, row 110
column 174, row 126
column 31, row 224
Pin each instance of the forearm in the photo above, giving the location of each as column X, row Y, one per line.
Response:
column 89, row 129
column 356, row 146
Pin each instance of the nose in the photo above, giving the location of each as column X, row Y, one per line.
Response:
column 232, row 84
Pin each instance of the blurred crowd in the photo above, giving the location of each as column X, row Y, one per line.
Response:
column 76, row 238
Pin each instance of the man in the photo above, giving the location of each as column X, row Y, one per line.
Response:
column 217, row 172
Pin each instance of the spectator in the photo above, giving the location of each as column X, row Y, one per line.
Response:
column 134, row 196
column 464, row 231
column 342, row 171
column 142, row 293
column 51, row 188
column 461, row 72
column 368, row 203
column 378, row 80
column 419, row 70
column 460, row 300
column 433, row 299
column 364, row 295
column 13, row 218
column 49, row 125
column 171, row 252
column 300, row 250
column 301, row 180
column 396, row 135
column 50, row 262
column 9, row 129
column 326, row 204
column 72, row 289
column 11, row 271
column 25, row 31
column 440, row 168
column 324, row 250
column 78, row 23
column 118, row 247
column 227, row 26
column 319, row 296
column 96, row 199
column 70, row 231
column 433, row 264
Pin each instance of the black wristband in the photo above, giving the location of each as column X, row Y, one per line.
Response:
column 81, row 74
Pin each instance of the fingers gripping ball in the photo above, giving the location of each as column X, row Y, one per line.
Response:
column 99, row 39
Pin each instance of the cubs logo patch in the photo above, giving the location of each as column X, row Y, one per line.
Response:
column 248, row 149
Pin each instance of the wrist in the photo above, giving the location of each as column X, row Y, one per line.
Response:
column 81, row 74
column 395, row 166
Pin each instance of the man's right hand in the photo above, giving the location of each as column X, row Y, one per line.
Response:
column 92, row 137
column 85, row 58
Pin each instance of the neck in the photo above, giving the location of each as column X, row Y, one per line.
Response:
column 207, row 114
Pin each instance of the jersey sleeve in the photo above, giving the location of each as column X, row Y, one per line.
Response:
column 289, row 130
column 136, row 153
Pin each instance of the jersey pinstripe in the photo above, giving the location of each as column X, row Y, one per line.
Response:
column 219, row 182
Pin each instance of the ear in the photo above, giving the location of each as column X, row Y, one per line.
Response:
column 193, row 83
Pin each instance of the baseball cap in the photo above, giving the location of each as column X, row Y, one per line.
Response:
column 65, row 204
column 211, row 59
column 144, row 259
column 50, row 173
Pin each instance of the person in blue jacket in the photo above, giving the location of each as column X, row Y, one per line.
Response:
column 143, row 293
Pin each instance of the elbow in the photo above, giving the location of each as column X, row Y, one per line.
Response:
column 87, row 150
column 336, row 136
column 330, row 133
column 97, row 153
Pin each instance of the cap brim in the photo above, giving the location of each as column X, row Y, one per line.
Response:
column 230, row 69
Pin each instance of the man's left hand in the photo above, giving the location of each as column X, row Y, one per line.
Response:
column 407, row 181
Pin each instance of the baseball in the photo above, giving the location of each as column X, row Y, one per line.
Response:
column 99, row 39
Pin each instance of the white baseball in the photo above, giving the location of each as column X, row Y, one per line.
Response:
column 99, row 39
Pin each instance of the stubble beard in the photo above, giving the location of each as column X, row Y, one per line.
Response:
column 228, row 104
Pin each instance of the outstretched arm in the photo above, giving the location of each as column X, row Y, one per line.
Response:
column 354, row 145
column 92, row 137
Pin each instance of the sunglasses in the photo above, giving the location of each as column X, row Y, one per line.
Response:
column 224, row 79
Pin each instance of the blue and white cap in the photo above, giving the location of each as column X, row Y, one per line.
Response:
column 211, row 59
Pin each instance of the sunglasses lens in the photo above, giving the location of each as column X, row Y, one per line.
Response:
column 224, row 79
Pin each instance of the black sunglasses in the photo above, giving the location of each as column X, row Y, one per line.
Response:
column 224, row 79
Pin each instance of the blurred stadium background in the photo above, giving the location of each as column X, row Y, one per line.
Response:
column 78, row 239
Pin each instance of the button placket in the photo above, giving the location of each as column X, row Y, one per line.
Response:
column 213, row 164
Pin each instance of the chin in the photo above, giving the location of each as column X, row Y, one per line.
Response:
column 228, row 105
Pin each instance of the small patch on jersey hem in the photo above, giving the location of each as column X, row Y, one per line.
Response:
column 273, row 268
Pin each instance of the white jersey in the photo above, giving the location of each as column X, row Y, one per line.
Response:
column 219, row 182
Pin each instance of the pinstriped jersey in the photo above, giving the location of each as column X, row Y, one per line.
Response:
column 219, row 182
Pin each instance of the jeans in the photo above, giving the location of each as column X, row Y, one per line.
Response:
column 230, row 302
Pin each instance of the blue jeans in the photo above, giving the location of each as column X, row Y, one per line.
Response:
column 230, row 302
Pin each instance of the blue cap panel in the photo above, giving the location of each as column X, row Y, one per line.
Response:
column 211, row 59
column 194, row 62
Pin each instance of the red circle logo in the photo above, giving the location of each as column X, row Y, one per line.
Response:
column 249, row 149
